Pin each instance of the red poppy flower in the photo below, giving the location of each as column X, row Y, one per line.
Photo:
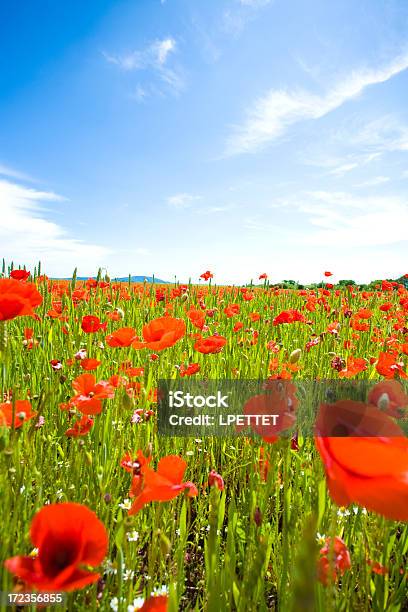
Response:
column 211, row 344
column 161, row 333
column 327, row 274
column 207, row 275
column 91, row 324
column 80, row 427
column 197, row 317
column 354, row 366
column 155, row 603
column 389, row 395
column 56, row 364
column 116, row 380
column 89, row 364
column 231, row 310
column 289, row 316
column 191, row 369
column 122, row 337
column 215, row 479
column 17, row 299
column 377, row 568
column 69, row 537
column 20, row 275
column 388, row 366
column 163, row 485
column 132, row 371
column 90, row 393
column 263, row 276
column 22, row 413
column 134, row 465
column 369, row 468
column 334, row 560
column 280, row 400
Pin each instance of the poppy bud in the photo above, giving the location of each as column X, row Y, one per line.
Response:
column 257, row 517
column 295, row 355
column 184, row 296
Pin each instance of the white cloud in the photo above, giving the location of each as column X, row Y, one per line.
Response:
column 26, row 236
column 14, row 174
column 274, row 113
column 376, row 180
column 236, row 18
column 343, row 169
column 182, row 200
column 155, row 55
column 155, row 58
column 346, row 220
column 162, row 48
column 385, row 134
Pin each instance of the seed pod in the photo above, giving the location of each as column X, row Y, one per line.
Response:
column 295, row 355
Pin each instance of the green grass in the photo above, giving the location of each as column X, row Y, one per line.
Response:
column 209, row 551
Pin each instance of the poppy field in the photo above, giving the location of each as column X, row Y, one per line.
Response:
column 100, row 507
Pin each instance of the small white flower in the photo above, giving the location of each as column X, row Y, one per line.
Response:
column 190, row 453
column 128, row 575
column 114, row 603
column 163, row 590
column 132, row 536
column 126, row 504
column 108, row 567
column 320, row 538
column 137, row 604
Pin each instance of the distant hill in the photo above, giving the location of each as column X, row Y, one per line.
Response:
column 140, row 279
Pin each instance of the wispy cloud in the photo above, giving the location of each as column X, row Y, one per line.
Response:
column 27, row 236
column 9, row 172
column 385, row 134
column 346, row 220
column 154, row 57
column 374, row 182
column 275, row 112
column 340, row 166
column 182, row 200
column 236, row 17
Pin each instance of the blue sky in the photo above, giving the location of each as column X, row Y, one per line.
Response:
column 172, row 137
